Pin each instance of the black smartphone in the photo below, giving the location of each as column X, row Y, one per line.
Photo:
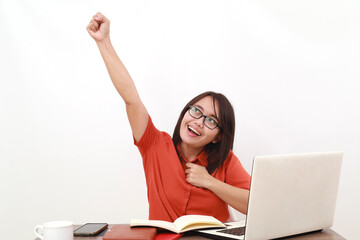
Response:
column 90, row 229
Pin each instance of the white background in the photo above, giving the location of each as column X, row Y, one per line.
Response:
column 290, row 69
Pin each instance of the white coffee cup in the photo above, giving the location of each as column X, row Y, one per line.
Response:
column 58, row 230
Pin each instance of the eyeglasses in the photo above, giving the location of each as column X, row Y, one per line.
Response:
column 208, row 121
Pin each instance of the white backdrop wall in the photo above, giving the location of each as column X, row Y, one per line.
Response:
column 290, row 68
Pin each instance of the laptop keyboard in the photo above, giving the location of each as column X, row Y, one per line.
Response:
column 237, row 231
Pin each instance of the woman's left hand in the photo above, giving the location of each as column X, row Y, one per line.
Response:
column 198, row 175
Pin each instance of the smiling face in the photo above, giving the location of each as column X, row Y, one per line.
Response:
column 194, row 134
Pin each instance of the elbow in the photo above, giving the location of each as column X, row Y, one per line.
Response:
column 245, row 204
column 245, row 210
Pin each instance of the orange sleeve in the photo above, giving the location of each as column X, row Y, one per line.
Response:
column 149, row 138
column 236, row 175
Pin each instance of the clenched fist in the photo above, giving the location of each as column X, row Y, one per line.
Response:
column 198, row 176
column 99, row 27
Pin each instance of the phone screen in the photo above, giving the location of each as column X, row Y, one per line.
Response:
column 90, row 229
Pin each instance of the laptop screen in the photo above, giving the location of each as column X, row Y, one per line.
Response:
column 289, row 195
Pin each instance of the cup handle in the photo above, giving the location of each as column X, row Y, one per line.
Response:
column 36, row 231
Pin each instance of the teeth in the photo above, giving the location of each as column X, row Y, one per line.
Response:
column 196, row 132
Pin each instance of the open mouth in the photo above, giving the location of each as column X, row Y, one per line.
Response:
column 193, row 131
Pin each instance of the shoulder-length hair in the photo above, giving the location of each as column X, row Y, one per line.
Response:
column 217, row 152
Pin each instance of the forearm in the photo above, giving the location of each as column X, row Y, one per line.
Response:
column 118, row 72
column 136, row 111
column 236, row 197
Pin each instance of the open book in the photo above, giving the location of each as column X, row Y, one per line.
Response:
column 182, row 224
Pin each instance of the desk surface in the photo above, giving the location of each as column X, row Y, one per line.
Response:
column 326, row 234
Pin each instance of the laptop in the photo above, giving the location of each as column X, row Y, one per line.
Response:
column 289, row 195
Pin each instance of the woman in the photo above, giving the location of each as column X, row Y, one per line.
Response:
column 195, row 172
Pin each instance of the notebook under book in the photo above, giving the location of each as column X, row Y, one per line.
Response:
column 289, row 195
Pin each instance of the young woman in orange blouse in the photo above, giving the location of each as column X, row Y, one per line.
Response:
column 193, row 172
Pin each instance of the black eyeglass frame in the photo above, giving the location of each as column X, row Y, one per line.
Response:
column 205, row 117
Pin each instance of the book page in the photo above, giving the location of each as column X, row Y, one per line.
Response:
column 154, row 223
column 190, row 222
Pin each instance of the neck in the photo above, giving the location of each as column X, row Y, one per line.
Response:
column 189, row 152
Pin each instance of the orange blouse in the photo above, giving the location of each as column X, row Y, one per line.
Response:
column 169, row 195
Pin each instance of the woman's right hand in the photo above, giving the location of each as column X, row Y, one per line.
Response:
column 99, row 27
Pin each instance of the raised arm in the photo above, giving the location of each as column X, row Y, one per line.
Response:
column 99, row 29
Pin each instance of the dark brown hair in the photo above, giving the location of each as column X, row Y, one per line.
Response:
column 217, row 152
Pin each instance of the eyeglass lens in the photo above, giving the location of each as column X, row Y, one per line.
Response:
column 196, row 113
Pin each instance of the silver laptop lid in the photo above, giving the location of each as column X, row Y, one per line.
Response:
column 292, row 194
